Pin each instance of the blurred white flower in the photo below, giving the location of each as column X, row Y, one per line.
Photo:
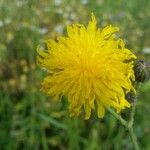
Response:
column 146, row 50
column 57, row 2
column 58, row 28
column 7, row 21
column 59, row 11
column 1, row 24
column 73, row 16
column 43, row 30
column 19, row 3
column 84, row 2
column 66, row 15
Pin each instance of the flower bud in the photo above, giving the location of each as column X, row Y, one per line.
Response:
column 142, row 71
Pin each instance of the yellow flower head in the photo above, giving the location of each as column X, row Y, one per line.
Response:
column 90, row 67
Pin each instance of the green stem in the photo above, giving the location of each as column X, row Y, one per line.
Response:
column 130, row 125
column 131, row 121
column 127, row 125
column 133, row 138
column 117, row 116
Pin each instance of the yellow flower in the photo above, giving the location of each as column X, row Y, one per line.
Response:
column 90, row 67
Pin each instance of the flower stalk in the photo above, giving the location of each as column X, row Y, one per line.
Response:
column 128, row 124
column 142, row 74
column 133, row 138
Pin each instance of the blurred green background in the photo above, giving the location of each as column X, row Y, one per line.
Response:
column 29, row 119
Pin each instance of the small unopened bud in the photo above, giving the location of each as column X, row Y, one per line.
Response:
column 130, row 97
column 142, row 71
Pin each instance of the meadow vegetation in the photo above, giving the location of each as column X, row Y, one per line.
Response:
column 28, row 118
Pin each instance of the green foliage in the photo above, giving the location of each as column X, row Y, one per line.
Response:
column 28, row 118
